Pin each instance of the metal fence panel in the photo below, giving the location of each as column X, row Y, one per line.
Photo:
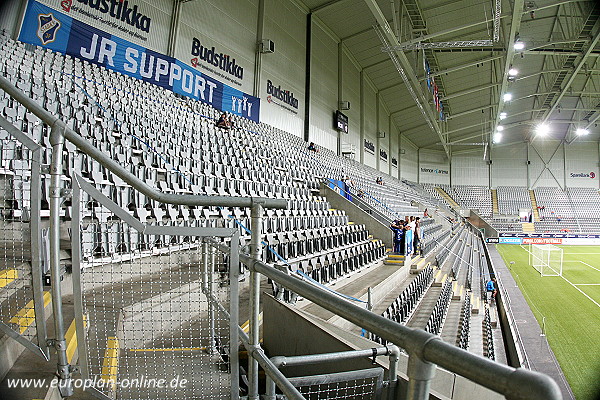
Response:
column 355, row 385
column 150, row 331
column 22, row 299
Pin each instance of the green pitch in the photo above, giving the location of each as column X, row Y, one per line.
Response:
column 571, row 307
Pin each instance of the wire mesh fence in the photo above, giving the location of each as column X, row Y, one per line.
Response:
column 22, row 301
column 150, row 330
column 355, row 385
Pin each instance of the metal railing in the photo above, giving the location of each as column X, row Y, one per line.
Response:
column 425, row 350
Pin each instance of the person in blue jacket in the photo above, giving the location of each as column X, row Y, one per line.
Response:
column 397, row 228
column 491, row 289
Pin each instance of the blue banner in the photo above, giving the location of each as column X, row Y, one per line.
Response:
column 46, row 27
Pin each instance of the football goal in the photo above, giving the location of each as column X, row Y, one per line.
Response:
column 547, row 259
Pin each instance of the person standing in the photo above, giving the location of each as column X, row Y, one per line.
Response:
column 398, row 230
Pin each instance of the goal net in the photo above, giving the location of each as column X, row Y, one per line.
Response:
column 547, row 259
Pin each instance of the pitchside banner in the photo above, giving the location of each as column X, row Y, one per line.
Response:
column 580, row 239
column 46, row 27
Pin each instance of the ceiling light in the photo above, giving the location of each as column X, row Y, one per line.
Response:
column 542, row 129
column 519, row 45
column 503, row 115
column 507, row 97
column 497, row 137
column 582, row 131
column 513, row 72
column 499, row 128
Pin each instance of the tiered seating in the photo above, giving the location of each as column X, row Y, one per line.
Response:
column 511, row 199
column 174, row 146
column 403, row 306
column 555, row 209
column 473, row 197
column 586, row 207
column 436, row 320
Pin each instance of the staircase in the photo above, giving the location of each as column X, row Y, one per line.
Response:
column 447, row 197
column 534, row 209
column 528, row 227
column 495, row 210
column 394, row 259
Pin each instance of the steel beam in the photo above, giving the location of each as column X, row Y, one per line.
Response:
column 591, row 45
column 406, row 71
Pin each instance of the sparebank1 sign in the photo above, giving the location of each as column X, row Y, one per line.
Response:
column 44, row 26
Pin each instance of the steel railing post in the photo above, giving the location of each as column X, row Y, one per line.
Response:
column 419, row 374
column 256, row 217
column 57, row 141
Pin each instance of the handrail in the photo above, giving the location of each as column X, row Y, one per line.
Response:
column 424, row 349
column 118, row 170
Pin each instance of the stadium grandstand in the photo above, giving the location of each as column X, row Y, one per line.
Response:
column 299, row 199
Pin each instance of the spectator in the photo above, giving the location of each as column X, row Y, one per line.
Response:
column 360, row 193
column 491, row 289
column 417, row 236
column 398, row 230
column 224, row 122
column 379, row 181
column 312, row 147
column 558, row 218
column 426, row 214
column 408, row 235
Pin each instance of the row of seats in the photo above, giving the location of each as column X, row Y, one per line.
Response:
column 488, row 336
column 462, row 340
column 404, row 305
column 438, row 315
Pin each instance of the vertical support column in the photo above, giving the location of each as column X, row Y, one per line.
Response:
column 57, row 141
column 258, row 53
column 378, row 129
column 234, row 311
column 340, row 90
column 176, row 10
column 419, row 165
column 256, row 217
column 419, row 374
column 362, row 116
column 527, row 166
column 564, row 145
column 390, row 168
column 307, row 75
column 35, row 243
column 210, row 266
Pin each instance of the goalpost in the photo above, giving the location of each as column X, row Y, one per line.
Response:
column 547, row 259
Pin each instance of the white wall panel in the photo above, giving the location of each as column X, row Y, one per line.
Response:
column 582, row 165
column 547, row 164
column 469, row 169
column 351, row 93
column 285, row 25
column 323, row 88
column 409, row 162
column 370, row 124
column 229, row 27
column 433, row 167
column 509, row 165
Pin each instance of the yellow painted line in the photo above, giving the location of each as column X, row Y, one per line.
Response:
column 7, row 276
column 172, row 349
column 26, row 316
column 71, row 338
column 246, row 325
column 350, row 223
column 110, row 364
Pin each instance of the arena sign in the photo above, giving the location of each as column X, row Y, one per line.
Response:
column 43, row 26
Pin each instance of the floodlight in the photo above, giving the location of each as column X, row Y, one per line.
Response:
column 582, row 131
column 519, row 45
column 507, row 97
column 503, row 115
column 497, row 137
column 513, row 72
column 499, row 128
column 542, row 129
